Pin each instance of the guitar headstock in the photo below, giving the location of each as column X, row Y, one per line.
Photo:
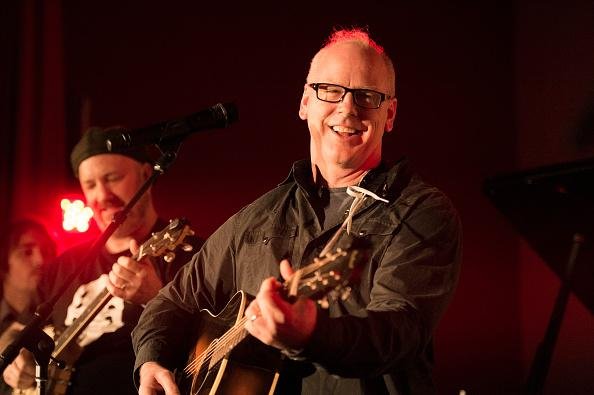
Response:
column 165, row 241
column 329, row 275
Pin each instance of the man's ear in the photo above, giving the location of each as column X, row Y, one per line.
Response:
column 391, row 118
column 147, row 170
column 303, row 104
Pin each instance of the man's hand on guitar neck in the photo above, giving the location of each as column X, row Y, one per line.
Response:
column 154, row 379
column 276, row 322
column 134, row 281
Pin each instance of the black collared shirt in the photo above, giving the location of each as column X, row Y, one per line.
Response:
column 377, row 340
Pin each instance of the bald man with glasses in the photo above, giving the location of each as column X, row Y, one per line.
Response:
column 378, row 338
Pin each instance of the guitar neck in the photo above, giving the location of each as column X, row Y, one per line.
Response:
column 74, row 330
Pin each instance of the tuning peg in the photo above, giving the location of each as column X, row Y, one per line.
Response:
column 187, row 247
column 169, row 257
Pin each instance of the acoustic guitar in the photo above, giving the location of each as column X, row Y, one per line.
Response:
column 215, row 366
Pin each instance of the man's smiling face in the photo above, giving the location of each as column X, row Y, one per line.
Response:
column 344, row 134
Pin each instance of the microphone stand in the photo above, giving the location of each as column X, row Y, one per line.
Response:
column 32, row 337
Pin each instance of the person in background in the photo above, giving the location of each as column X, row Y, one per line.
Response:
column 379, row 338
column 108, row 181
column 23, row 254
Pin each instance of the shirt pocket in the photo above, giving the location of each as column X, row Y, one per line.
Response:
column 261, row 252
column 373, row 228
column 379, row 233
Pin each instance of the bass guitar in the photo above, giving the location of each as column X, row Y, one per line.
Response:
column 213, row 367
column 66, row 348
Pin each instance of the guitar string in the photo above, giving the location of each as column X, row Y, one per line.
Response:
column 223, row 341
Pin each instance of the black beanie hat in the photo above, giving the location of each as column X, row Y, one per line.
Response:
column 93, row 142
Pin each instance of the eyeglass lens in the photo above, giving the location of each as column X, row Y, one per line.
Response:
column 362, row 97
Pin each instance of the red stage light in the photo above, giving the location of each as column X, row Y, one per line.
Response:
column 76, row 216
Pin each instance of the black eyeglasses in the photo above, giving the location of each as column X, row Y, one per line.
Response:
column 333, row 93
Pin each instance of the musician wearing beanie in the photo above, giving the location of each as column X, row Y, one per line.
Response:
column 102, row 358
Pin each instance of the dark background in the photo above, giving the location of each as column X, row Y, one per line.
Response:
column 483, row 88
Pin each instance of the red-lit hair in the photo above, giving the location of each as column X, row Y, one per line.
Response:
column 361, row 36
column 353, row 34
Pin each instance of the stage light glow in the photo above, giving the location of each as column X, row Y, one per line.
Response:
column 76, row 216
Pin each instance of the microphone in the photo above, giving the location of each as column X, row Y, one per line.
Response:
column 217, row 116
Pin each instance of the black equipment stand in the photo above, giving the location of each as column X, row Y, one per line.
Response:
column 544, row 352
column 551, row 206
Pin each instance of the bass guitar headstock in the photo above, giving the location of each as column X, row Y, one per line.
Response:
column 167, row 240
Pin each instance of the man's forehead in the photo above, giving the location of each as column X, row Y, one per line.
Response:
column 30, row 239
column 106, row 163
column 352, row 55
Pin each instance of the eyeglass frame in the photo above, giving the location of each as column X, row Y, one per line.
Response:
column 383, row 96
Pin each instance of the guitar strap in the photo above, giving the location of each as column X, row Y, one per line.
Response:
column 360, row 194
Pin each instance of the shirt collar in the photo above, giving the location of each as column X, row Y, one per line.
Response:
column 378, row 180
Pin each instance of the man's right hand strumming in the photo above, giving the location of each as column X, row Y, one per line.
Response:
column 155, row 379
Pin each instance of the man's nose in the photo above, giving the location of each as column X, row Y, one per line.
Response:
column 37, row 257
column 102, row 193
column 347, row 104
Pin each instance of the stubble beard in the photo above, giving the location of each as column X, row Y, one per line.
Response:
column 135, row 220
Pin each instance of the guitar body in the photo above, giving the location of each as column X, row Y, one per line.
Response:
column 229, row 374
column 218, row 364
